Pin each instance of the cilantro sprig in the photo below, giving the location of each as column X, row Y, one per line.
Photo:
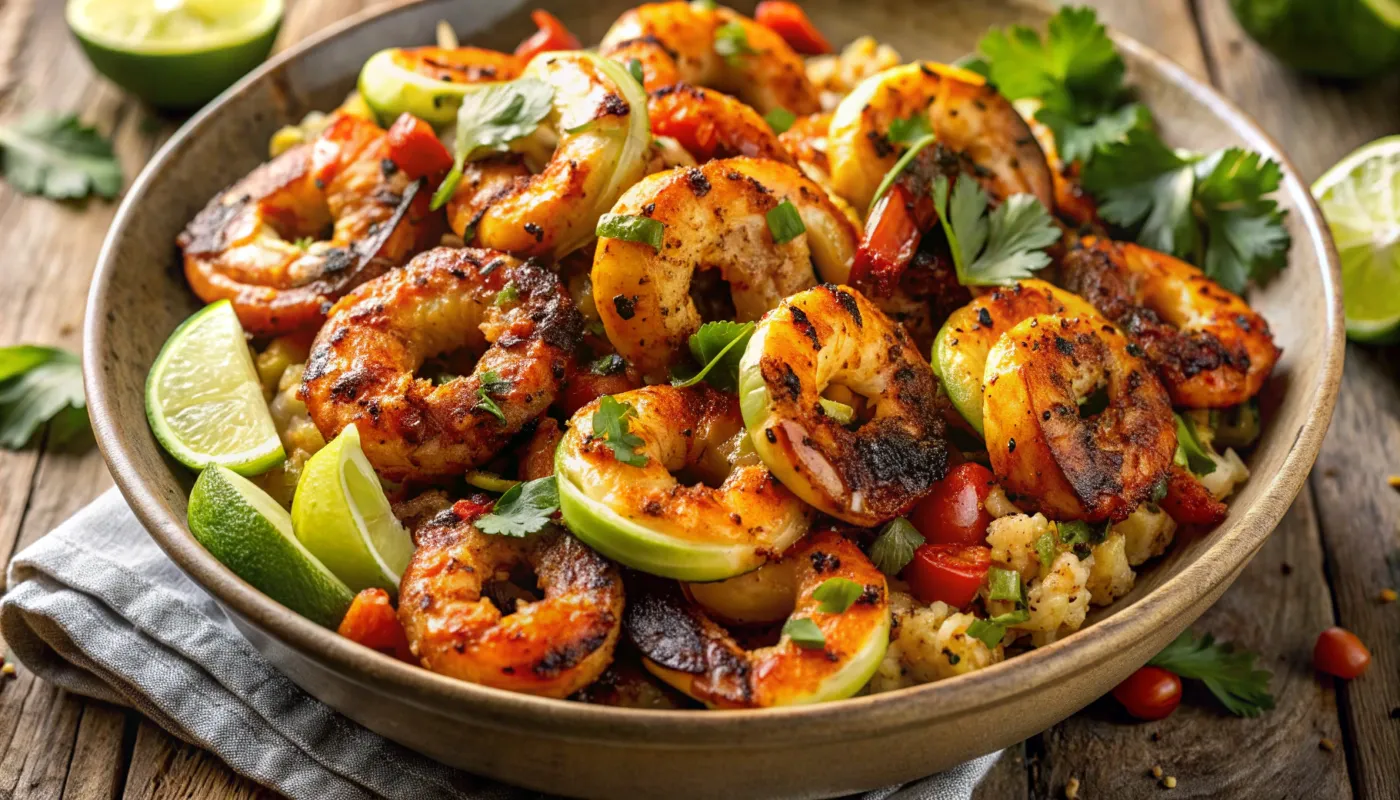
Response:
column 525, row 508
column 610, row 424
column 60, row 158
column 1228, row 673
column 491, row 384
column 1209, row 208
column 717, row 347
column 1000, row 247
column 492, row 117
column 39, row 385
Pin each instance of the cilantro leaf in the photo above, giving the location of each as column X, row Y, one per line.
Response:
column 894, row 548
column 491, row 383
column 1230, row 675
column 1004, row 246
column 717, row 347
column 38, row 385
column 525, row 508
column 908, row 131
column 992, row 630
column 804, row 633
column 610, row 424
column 1080, row 140
column 1245, row 234
column 837, row 594
column 492, row 117
column 59, row 157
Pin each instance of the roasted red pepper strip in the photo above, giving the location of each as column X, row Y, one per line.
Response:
column 415, row 149
column 1188, row 502
column 789, row 21
column 897, row 222
column 552, row 35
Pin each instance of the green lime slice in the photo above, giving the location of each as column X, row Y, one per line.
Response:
column 390, row 88
column 1360, row 197
column 175, row 53
column 342, row 516
column 246, row 530
column 203, row 399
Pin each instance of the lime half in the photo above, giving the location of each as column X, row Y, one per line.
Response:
column 245, row 529
column 175, row 53
column 203, row 399
column 1360, row 197
column 342, row 516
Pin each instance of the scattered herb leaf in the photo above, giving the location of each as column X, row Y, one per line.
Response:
column 909, row 130
column 1228, row 673
column 804, row 633
column 785, row 223
column 717, row 347
column 894, row 548
column 1003, row 584
column 60, row 158
column 899, row 167
column 491, row 383
column 524, row 509
column 992, row 631
column 631, row 228
column 490, row 118
column 1190, row 451
column 1006, row 245
column 610, row 424
column 837, row 594
column 39, row 385
column 780, row 119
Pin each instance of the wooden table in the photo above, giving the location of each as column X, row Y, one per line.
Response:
column 1326, row 564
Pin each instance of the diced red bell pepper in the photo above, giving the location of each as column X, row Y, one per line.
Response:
column 372, row 622
column 552, row 35
column 415, row 149
column 789, row 21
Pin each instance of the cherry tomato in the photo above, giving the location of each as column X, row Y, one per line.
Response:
column 552, row 35
column 1149, row 693
column 950, row 573
column 1339, row 652
column 955, row 512
column 789, row 21
column 371, row 621
column 416, row 149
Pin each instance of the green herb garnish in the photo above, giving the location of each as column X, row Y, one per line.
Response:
column 631, row 228
column 717, row 347
column 1006, row 245
column 490, row 118
column 610, row 424
column 910, row 130
column 60, row 158
column 785, row 223
column 1228, row 674
column 899, row 167
column 992, row 631
column 894, row 548
column 524, row 509
column 1190, row 451
column 39, row 385
column 491, row 383
column 804, row 633
column 732, row 43
column 1003, row 584
column 837, row 594
column 780, row 119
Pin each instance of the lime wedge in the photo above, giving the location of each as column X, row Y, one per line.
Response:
column 1360, row 197
column 175, row 53
column 342, row 516
column 203, row 399
column 246, row 530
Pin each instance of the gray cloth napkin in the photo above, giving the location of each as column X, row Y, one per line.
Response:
column 96, row 608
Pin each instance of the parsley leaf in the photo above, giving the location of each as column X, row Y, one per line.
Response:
column 492, row 117
column 610, row 424
column 1001, row 247
column 59, row 157
column 524, row 509
column 1230, row 675
column 804, row 633
column 894, row 548
column 491, row 383
column 1191, row 452
column 717, row 347
column 732, row 43
column 38, row 385
column 837, row 594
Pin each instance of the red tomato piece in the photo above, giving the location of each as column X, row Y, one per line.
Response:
column 1150, row 693
column 471, row 508
column 1339, row 652
column 789, row 21
column 955, row 512
column 949, row 573
column 416, row 149
column 891, row 237
column 552, row 35
column 372, row 622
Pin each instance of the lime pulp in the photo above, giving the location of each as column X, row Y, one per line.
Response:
column 1360, row 197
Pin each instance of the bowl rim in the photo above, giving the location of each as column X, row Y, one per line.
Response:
column 883, row 713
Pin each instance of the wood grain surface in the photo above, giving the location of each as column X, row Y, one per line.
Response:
column 1336, row 550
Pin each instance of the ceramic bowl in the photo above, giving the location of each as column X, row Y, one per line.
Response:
column 139, row 296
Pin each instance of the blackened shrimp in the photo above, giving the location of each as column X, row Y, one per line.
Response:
column 715, row 217
column 514, row 315
column 683, row 646
column 1209, row 347
column 1047, row 455
column 865, row 470
column 552, row 646
column 681, row 42
column 259, row 243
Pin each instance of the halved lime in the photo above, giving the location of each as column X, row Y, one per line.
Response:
column 175, row 53
column 342, row 516
column 246, row 530
column 1360, row 197
column 203, row 399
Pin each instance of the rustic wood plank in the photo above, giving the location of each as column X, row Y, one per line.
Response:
column 1317, row 122
column 164, row 768
column 1273, row 609
column 1007, row 778
column 98, row 768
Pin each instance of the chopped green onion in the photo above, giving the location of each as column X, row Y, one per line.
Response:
column 507, row 295
column 1004, row 584
column 899, row 166
column 780, row 119
column 643, row 230
column 785, row 223
column 992, row 631
column 634, row 68
column 1045, row 548
column 804, row 633
column 837, row 594
column 732, row 43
